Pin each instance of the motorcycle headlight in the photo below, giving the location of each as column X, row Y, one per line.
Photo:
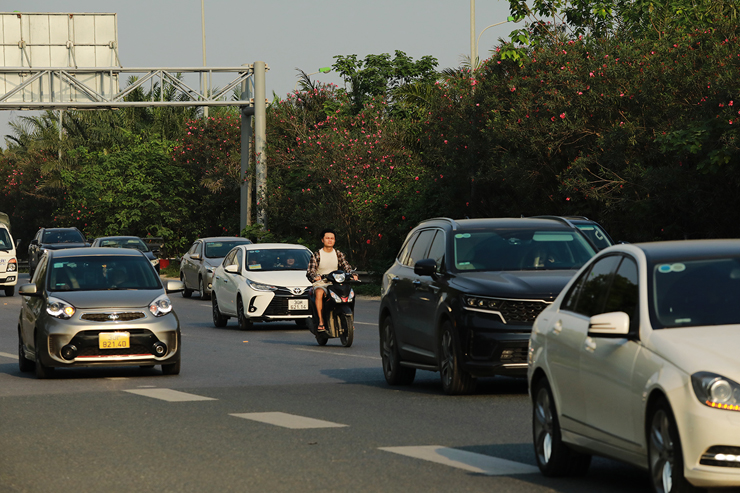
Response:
column 339, row 277
column 161, row 306
column 258, row 286
column 716, row 391
column 12, row 266
column 59, row 309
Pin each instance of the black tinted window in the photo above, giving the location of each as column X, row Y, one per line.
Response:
column 418, row 252
column 437, row 251
column 101, row 272
column 275, row 259
column 64, row 236
column 403, row 255
column 596, row 286
column 218, row 249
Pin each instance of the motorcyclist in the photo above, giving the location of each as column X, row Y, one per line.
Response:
column 325, row 261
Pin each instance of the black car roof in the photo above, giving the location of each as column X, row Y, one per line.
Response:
column 496, row 222
column 666, row 251
column 91, row 252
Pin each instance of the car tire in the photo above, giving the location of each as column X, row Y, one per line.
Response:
column 9, row 290
column 219, row 320
column 347, row 328
column 665, row 455
column 554, row 458
column 171, row 368
column 25, row 364
column 186, row 293
column 244, row 322
column 395, row 374
column 42, row 371
column 455, row 380
column 202, row 290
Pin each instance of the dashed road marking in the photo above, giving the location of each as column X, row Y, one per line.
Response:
column 338, row 353
column 365, row 323
column 8, row 355
column 169, row 395
column 288, row 420
column 461, row 459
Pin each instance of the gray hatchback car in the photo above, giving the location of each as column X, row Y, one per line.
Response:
column 97, row 307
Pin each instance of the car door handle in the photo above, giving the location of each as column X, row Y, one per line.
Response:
column 416, row 283
column 557, row 327
column 589, row 345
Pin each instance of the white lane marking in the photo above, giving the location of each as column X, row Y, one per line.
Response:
column 469, row 461
column 365, row 323
column 8, row 355
column 337, row 354
column 288, row 420
column 169, row 395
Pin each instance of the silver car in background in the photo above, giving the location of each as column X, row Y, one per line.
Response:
column 197, row 266
column 97, row 307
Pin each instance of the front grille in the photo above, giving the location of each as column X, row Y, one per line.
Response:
column 282, row 291
column 95, row 351
column 521, row 312
column 279, row 306
column 112, row 317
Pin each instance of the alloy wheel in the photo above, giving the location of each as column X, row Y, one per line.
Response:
column 662, row 452
column 543, row 425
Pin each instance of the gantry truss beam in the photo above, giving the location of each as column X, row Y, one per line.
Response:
column 62, row 88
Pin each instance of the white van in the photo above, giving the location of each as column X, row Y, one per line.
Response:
column 8, row 260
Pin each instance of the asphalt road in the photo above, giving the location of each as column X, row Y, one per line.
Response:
column 267, row 410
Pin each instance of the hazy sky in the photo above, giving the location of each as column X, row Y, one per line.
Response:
column 284, row 33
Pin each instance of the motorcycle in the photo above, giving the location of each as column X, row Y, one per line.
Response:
column 338, row 309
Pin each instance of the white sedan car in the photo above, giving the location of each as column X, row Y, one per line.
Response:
column 637, row 360
column 262, row 283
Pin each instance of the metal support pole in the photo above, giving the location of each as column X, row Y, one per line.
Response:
column 203, row 31
column 245, row 209
column 260, row 138
column 473, row 50
column 61, row 120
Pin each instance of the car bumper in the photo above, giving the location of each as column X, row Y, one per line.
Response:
column 702, row 430
column 84, row 336
column 9, row 279
column 269, row 306
column 490, row 347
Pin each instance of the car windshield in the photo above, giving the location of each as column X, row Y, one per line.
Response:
column 68, row 236
column 101, row 272
column 597, row 235
column 278, row 259
column 5, row 242
column 697, row 292
column 219, row 249
column 133, row 243
column 520, row 249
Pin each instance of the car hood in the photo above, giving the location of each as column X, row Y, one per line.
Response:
column 545, row 284
column 693, row 349
column 213, row 261
column 121, row 298
column 285, row 278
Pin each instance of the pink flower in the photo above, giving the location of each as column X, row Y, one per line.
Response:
column 562, row 115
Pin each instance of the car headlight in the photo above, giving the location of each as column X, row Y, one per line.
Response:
column 161, row 306
column 155, row 262
column 258, row 286
column 12, row 266
column 59, row 309
column 716, row 391
column 482, row 303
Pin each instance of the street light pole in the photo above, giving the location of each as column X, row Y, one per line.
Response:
column 473, row 47
column 322, row 70
column 203, row 31
column 477, row 43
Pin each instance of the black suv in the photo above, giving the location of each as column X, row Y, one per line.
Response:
column 462, row 295
column 53, row 239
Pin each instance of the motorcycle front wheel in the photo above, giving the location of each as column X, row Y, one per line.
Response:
column 347, row 329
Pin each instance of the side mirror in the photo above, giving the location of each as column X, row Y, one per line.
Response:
column 174, row 286
column 34, row 242
column 17, row 243
column 611, row 325
column 28, row 290
column 195, row 256
column 426, row 267
column 232, row 269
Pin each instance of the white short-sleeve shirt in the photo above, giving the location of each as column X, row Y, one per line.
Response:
column 329, row 262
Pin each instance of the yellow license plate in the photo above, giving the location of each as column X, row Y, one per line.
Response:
column 114, row 340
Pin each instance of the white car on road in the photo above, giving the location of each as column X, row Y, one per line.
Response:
column 262, row 283
column 637, row 360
